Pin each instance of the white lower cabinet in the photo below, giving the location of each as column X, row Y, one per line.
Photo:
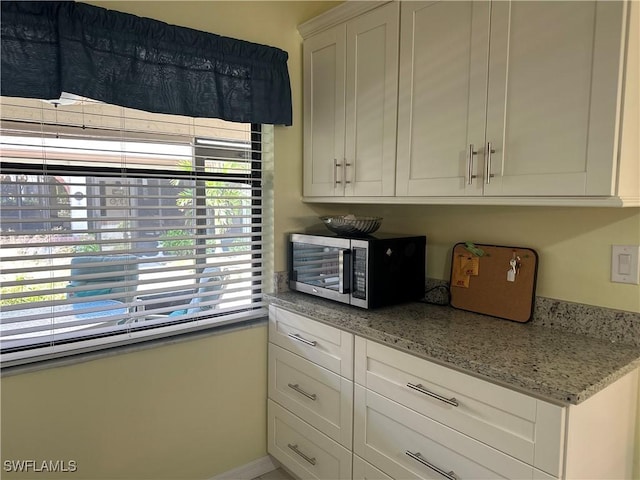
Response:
column 345, row 407
column 363, row 470
column 405, row 444
column 323, row 398
column 305, row 451
column 310, row 406
column 319, row 343
column 519, row 425
column 417, row 419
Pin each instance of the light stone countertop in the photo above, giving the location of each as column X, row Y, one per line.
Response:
column 555, row 365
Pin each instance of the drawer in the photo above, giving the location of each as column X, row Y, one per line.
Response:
column 405, row 444
column 318, row 396
column 526, row 428
column 323, row 344
column 365, row 471
column 302, row 449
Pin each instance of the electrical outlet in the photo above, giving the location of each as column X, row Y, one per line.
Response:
column 624, row 264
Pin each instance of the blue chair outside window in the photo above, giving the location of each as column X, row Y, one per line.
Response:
column 113, row 270
column 208, row 285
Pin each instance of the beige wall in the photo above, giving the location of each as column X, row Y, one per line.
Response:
column 184, row 411
column 574, row 244
column 190, row 410
column 179, row 411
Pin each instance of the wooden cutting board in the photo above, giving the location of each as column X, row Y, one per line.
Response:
column 494, row 280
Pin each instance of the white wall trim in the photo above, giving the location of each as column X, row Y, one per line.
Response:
column 250, row 470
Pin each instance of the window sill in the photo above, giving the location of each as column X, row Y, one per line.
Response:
column 129, row 348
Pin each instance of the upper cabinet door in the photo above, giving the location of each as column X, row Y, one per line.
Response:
column 552, row 97
column 371, row 102
column 444, row 50
column 350, row 106
column 324, row 112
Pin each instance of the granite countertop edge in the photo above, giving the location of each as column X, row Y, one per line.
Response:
column 560, row 367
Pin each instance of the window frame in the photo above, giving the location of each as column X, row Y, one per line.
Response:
column 141, row 333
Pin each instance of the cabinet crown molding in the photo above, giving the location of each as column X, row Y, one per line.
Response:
column 340, row 14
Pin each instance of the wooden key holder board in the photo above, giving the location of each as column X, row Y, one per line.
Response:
column 494, row 280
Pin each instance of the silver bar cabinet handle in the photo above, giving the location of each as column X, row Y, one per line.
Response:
column 419, row 458
column 488, row 173
column 335, row 171
column 421, row 389
column 311, row 460
column 346, row 164
column 470, row 154
column 297, row 388
column 297, row 337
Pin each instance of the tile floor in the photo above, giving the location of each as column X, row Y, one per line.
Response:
column 279, row 474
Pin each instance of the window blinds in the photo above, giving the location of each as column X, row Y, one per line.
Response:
column 118, row 224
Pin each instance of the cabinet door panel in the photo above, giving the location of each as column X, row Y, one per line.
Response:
column 541, row 96
column 526, row 428
column 365, row 471
column 319, row 343
column 303, row 449
column 324, row 62
column 444, row 47
column 320, row 397
column 371, row 102
column 385, row 431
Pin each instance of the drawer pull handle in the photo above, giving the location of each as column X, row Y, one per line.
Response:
column 311, row 460
column 297, row 388
column 421, row 389
column 419, row 458
column 297, row 337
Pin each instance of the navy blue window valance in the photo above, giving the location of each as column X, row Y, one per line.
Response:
column 52, row 47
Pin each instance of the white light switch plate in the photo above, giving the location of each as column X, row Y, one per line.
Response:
column 624, row 264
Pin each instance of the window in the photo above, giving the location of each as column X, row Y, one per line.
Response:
column 119, row 225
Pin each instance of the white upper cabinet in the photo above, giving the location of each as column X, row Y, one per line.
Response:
column 442, row 97
column 515, row 99
column 553, row 86
column 504, row 103
column 324, row 110
column 350, row 106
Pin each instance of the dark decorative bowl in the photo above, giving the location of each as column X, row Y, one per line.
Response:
column 351, row 224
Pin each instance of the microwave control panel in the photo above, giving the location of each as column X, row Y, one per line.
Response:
column 359, row 284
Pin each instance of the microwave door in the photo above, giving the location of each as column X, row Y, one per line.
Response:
column 321, row 267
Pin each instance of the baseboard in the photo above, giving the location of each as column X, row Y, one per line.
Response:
column 250, row 470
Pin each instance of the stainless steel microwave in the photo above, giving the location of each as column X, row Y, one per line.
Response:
column 368, row 272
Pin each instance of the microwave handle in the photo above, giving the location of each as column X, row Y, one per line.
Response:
column 344, row 266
